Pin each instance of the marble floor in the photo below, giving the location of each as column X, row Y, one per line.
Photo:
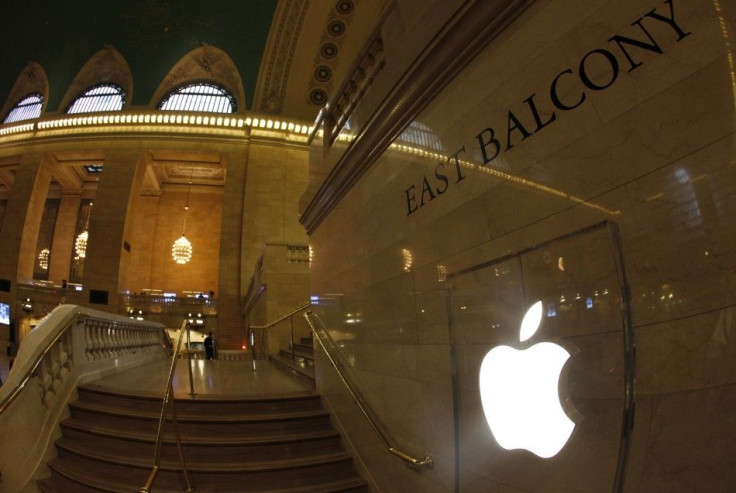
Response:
column 211, row 379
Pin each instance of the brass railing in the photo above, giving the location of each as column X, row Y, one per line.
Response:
column 169, row 401
column 330, row 348
column 256, row 333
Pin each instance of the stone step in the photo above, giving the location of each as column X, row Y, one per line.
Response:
column 71, row 481
column 296, row 368
column 132, row 473
column 209, row 424
column 217, row 406
column 304, row 348
column 278, row 444
column 202, row 448
column 305, row 358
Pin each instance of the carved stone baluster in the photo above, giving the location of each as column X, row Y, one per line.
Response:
column 125, row 339
column 133, row 339
column 66, row 357
column 45, row 380
column 96, row 339
column 99, row 340
column 89, row 341
column 110, row 341
column 115, row 343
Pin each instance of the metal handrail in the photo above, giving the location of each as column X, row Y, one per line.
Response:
column 284, row 317
column 162, row 420
column 5, row 404
column 411, row 461
column 251, row 339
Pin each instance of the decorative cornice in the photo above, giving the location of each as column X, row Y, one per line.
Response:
column 330, row 47
column 155, row 123
column 282, row 42
column 466, row 33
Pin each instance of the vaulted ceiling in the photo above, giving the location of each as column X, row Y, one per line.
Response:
column 291, row 54
column 151, row 35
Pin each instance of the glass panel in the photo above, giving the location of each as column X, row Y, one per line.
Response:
column 576, row 279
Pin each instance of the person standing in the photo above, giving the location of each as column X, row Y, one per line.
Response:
column 209, row 346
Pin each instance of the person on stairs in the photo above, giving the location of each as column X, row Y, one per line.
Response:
column 209, row 346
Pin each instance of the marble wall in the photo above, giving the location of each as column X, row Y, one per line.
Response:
column 584, row 158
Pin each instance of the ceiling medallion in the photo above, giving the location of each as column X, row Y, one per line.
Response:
column 336, row 28
column 328, row 50
column 318, row 96
column 323, row 73
column 345, row 7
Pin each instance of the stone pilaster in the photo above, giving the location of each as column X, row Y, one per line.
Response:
column 231, row 332
column 22, row 219
column 61, row 253
column 108, row 247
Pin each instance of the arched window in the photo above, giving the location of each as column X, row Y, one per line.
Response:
column 199, row 96
column 101, row 97
column 27, row 108
column 419, row 134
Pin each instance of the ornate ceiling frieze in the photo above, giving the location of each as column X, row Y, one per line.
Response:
column 281, row 46
column 325, row 61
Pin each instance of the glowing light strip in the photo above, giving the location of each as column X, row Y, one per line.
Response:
column 504, row 176
column 418, row 151
column 16, row 129
column 154, row 122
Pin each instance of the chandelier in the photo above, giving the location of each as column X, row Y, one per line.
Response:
column 80, row 244
column 43, row 259
column 181, row 250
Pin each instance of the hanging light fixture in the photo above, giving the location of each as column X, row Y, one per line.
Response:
column 43, row 258
column 181, row 250
column 80, row 244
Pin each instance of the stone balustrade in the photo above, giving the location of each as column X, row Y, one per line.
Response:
column 71, row 345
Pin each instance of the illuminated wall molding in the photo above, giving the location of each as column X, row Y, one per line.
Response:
column 158, row 122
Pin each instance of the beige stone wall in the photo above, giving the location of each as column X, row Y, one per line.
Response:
column 159, row 225
column 276, row 178
column 438, row 285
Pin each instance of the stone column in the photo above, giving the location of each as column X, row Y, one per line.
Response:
column 231, row 332
column 108, row 247
column 19, row 232
column 22, row 219
column 63, row 243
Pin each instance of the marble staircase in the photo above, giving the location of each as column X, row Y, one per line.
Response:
column 274, row 444
column 300, row 363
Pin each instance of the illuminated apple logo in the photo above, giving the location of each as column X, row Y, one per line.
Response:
column 519, row 393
